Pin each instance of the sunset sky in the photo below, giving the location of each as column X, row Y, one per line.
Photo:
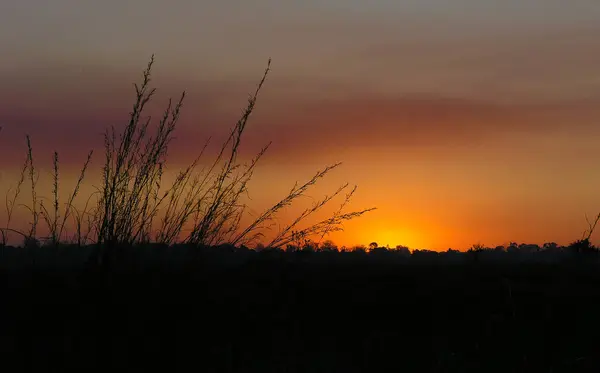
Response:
column 462, row 121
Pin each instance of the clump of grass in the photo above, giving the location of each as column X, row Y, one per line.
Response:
column 209, row 200
column 132, row 207
column 133, row 170
column 37, row 207
column 10, row 204
column 56, row 227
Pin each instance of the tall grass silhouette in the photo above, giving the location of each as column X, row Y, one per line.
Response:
column 203, row 205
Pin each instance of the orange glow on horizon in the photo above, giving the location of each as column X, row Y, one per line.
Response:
column 424, row 213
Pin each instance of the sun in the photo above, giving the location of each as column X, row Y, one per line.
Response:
column 394, row 237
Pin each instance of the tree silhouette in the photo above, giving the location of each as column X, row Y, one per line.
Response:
column 328, row 245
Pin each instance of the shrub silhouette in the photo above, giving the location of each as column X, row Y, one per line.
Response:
column 132, row 206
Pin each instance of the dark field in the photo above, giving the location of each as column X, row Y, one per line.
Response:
column 181, row 309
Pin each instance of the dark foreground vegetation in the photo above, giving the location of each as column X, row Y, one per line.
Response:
column 226, row 309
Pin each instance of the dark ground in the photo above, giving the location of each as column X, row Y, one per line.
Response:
column 301, row 312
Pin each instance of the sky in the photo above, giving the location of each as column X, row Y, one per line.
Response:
column 462, row 121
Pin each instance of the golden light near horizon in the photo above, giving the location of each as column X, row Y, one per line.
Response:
column 393, row 237
column 382, row 232
column 388, row 238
